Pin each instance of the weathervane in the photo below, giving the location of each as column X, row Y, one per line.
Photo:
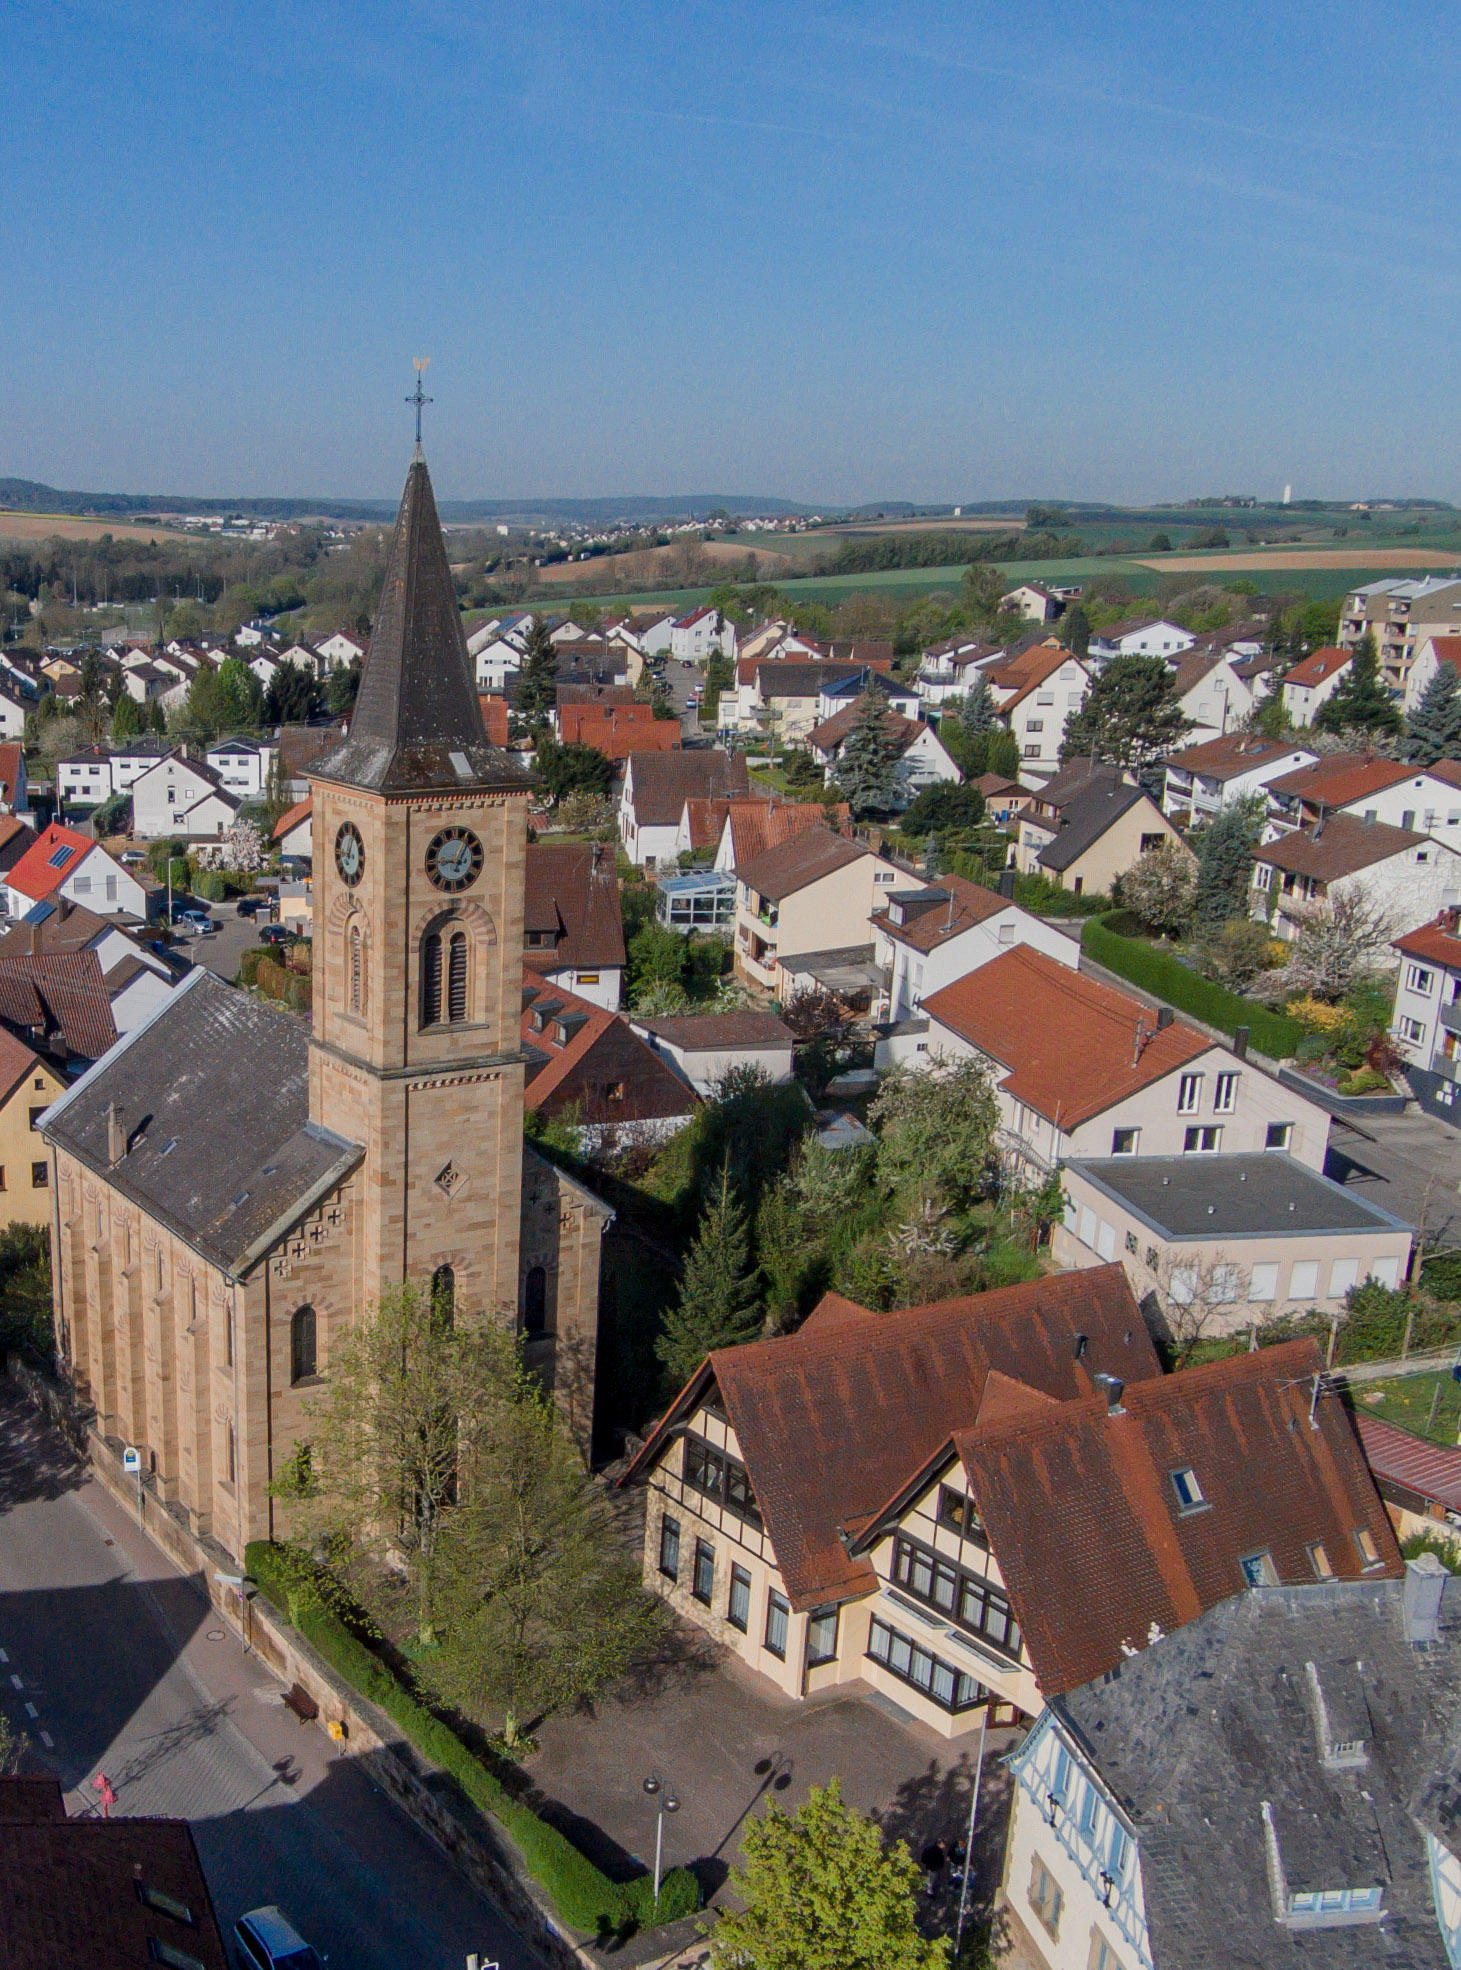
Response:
column 418, row 396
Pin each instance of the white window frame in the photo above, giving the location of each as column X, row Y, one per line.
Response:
column 1225, row 1092
column 1189, row 1094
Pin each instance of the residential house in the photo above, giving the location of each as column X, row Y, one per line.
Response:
column 573, row 930
column 927, row 1502
column 776, row 639
column 947, row 669
column 1201, row 780
column 131, row 758
column 927, row 938
column 1004, row 800
column 300, row 747
column 1139, row 636
column 655, row 789
column 291, row 834
column 702, row 634
column 740, row 830
column 617, row 731
column 1401, row 614
column 1035, row 693
column 16, row 838
column 1426, row 1022
column 242, row 766
column 921, row 760
column 494, row 718
column 813, row 892
column 1406, row 877
column 339, row 651
column 1034, row 602
column 1427, row 798
column 1269, row 1785
column 780, row 699
column 136, row 975
column 1419, row 1481
column 1210, row 694
column 125, row 1890
column 497, row 659
column 1081, row 1069
column 842, row 693
column 62, row 863
column 587, row 1066
column 655, row 635
column 1313, row 681
column 704, row 1047
column 1431, row 653
column 1088, row 825
column 181, row 796
column 59, row 1006
column 14, row 782
column 14, row 710
column 84, row 779
column 1227, row 1243
column 28, row 1086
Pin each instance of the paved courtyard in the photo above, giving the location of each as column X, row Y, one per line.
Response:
column 1408, row 1164
column 724, row 1741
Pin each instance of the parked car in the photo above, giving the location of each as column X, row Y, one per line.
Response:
column 197, row 923
column 250, row 906
column 265, row 1939
column 276, row 933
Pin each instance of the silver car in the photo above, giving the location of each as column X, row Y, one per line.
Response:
column 265, row 1939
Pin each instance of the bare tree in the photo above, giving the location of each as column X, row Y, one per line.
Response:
column 1195, row 1296
column 1341, row 940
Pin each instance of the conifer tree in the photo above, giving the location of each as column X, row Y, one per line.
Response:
column 1433, row 730
column 719, row 1290
column 537, row 680
column 1360, row 703
column 866, row 771
column 1225, row 863
column 126, row 717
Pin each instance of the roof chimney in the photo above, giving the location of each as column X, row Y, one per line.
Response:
column 1165, row 1016
column 1113, row 1385
column 1425, row 1584
column 116, row 1134
column 1007, row 884
column 1240, row 1042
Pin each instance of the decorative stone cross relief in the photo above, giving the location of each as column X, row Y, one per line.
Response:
column 450, row 1180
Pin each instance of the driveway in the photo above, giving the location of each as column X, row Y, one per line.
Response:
column 1407, row 1164
column 221, row 949
column 724, row 1741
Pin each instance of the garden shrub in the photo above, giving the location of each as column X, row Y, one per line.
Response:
column 1446, row 1550
column 583, row 1894
column 249, row 962
column 1440, row 1274
column 210, row 886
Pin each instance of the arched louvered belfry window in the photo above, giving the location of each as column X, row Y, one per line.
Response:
column 444, row 1296
column 431, row 979
column 456, row 978
column 302, row 1356
column 535, row 1302
column 357, row 970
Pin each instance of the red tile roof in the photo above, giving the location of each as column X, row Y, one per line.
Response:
column 494, row 717
column 1071, row 1047
column 61, row 996
column 1318, row 666
column 758, row 825
column 1097, row 1554
column 1340, row 779
column 617, row 738
column 1447, row 649
column 833, row 1419
column 1439, row 942
column 1429, row 1471
column 578, row 1054
column 289, row 821
column 47, row 864
column 576, row 713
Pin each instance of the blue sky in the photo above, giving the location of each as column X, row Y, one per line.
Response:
column 836, row 252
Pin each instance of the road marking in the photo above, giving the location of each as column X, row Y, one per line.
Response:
column 48, row 1741
column 16, row 1683
column 31, row 1711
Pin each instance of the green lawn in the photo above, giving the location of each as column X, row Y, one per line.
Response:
column 1407, row 1399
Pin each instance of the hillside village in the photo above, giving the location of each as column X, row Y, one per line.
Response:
column 949, row 1063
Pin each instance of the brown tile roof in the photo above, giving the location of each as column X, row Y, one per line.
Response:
column 571, row 893
column 1429, row 1471
column 494, row 717
column 1226, row 758
column 578, row 1054
column 798, row 861
column 18, row 1063
column 1341, row 778
column 791, row 677
column 290, row 820
column 1192, row 666
column 69, row 1889
column 595, row 694
column 1339, row 846
column 993, row 784
column 301, row 745
column 1094, row 1546
column 827, row 736
column 1071, row 1047
column 1319, row 665
column 707, row 1031
column 661, row 782
column 577, row 713
column 620, row 739
column 12, row 762
column 933, row 923
column 16, row 840
column 1447, row 649
column 757, row 825
column 1440, row 942
column 833, row 1419
column 62, row 997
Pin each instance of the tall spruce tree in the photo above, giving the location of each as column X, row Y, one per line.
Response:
column 719, row 1289
column 1225, row 863
column 1130, row 715
column 866, row 772
column 1360, row 702
column 537, row 680
column 1433, row 730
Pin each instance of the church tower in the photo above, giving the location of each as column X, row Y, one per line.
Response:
column 419, row 834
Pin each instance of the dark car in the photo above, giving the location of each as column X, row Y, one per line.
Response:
column 276, row 933
column 250, row 906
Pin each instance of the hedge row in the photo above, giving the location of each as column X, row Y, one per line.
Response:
column 1166, row 977
column 584, row 1896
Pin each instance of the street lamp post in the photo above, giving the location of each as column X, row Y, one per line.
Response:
column 666, row 1801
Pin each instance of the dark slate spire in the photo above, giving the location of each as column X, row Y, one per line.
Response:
column 417, row 725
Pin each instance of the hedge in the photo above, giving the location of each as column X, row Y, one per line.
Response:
column 583, row 1894
column 1166, row 977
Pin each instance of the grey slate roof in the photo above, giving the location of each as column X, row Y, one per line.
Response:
column 1195, row 1733
column 417, row 725
column 1246, row 1196
column 214, row 1095
column 1084, row 820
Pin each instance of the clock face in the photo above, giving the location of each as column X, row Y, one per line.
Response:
column 454, row 859
column 350, row 854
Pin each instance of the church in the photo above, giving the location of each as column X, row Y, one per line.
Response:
column 232, row 1188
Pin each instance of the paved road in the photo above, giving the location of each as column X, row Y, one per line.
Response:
column 112, row 1660
column 1408, row 1164
column 221, row 949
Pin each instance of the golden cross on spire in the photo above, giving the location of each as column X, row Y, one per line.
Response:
column 418, row 396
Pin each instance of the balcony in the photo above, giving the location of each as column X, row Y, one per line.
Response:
column 1451, row 1016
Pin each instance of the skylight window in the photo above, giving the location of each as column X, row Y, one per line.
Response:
column 1188, row 1490
column 1365, row 1540
column 164, row 1904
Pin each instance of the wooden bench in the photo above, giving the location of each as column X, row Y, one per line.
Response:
column 299, row 1700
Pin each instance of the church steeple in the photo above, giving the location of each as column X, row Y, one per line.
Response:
column 417, row 725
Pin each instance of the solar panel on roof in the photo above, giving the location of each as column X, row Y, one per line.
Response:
column 61, row 857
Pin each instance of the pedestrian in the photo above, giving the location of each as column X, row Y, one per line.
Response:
column 932, row 1862
column 102, row 1785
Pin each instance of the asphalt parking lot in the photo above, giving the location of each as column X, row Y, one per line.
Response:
column 220, row 950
